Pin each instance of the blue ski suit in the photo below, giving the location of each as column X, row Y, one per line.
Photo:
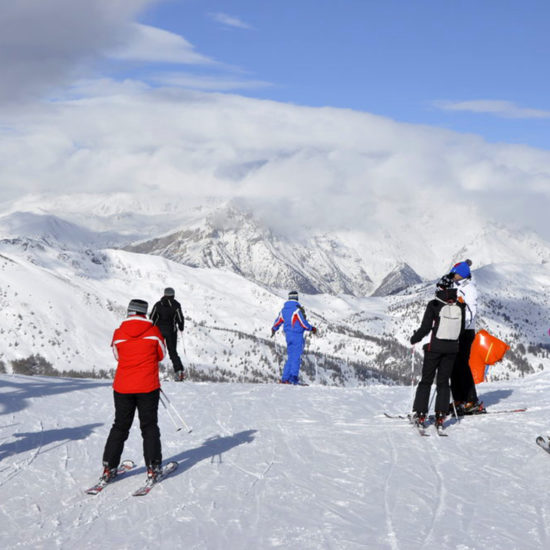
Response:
column 294, row 321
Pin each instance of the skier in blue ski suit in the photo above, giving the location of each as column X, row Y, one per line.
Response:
column 293, row 319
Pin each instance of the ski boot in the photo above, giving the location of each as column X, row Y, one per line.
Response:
column 153, row 473
column 108, row 474
column 439, row 419
column 419, row 420
column 456, row 408
column 474, row 407
column 179, row 376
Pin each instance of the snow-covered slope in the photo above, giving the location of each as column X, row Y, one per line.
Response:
column 64, row 305
column 56, row 231
column 271, row 466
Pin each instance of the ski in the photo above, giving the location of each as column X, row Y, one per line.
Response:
column 441, row 431
column 124, row 466
column 543, row 443
column 421, row 428
column 431, row 417
column 501, row 411
column 149, row 484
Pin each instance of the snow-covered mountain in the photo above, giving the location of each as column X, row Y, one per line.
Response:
column 232, row 240
column 340, row 262
column 62, row 292
column 401, row 278
column 64, row 304
column 275, row 467
column 56, row 231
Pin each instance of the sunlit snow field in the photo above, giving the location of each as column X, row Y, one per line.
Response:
column 271, row 466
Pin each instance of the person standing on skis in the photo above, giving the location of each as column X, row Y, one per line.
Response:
column 463, row 388
column 168, row 317
column 444, row 318
column 293, row 319
column 138, row 347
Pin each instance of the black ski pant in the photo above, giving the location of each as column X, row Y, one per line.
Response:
column 442, row 364
column 125, row 407
column 463, row 387
column 171, row 338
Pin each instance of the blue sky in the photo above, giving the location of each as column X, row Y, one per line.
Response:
column 470, row 66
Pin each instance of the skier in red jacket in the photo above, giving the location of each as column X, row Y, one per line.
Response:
column 138, row 346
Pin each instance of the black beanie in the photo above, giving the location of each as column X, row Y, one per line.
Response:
column 137, row 307
column 169, row 292
column 293, row 295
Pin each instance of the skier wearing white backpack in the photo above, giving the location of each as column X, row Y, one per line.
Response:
column 444, row 318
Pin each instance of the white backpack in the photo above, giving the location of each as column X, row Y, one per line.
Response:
column 450, row 322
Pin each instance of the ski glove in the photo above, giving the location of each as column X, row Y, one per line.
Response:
column 272, row 332
column 314, row 330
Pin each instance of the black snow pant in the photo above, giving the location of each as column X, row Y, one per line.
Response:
column 442, row 363
column 171, row 338
column 462, row 381
column 125, row 408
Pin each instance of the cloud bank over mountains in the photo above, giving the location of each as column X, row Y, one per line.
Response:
column 296, row 167
column 299, row 166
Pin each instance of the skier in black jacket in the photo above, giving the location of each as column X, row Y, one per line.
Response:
column 444, row 317
column 168, row 317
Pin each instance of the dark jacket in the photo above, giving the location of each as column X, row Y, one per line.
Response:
column 167, row 315
column 430, row 322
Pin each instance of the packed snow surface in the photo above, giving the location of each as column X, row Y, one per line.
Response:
column 275, row 466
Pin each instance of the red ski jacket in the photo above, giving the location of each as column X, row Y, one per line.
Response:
column 138, row 346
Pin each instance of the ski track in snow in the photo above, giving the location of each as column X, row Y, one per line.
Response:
column 271, row 466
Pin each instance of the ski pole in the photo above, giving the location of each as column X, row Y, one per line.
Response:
column 178, row 428
column 183, row 344
column 431, row 399
column 189, row 430
column 456, row 414
column 412, row 377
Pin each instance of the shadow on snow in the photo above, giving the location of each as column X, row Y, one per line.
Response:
column 212, row 448
column 27, row 441
column 14, row 395
column 493, row 397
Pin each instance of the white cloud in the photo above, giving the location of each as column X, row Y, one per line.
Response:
column 146, row 43
column 499, row 108
column 298, row 166
column 47, row 44
column 229, row 20
column 221, row 83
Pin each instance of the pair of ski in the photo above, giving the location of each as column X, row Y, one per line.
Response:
column 440, row 429
column 126, row 466
column 423, row 427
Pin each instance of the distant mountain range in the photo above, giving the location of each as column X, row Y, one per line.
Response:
column 66, row 279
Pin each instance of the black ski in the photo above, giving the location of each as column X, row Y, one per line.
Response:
column 124, row 466
column 543, row 443
column 149, row 484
